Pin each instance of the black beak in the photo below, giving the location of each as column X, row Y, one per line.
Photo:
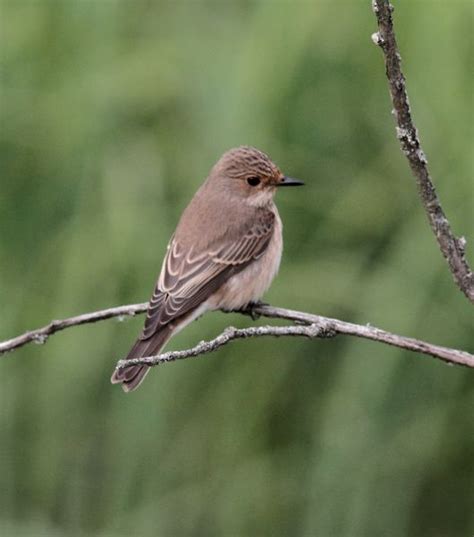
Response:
column 289, row 181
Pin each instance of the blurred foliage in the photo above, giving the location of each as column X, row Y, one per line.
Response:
column 112, row 113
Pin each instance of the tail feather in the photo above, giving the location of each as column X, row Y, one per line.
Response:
column 131, row 377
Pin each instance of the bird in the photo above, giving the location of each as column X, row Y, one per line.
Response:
column 223, row 255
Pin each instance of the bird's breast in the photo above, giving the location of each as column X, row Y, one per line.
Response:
column 250, row 284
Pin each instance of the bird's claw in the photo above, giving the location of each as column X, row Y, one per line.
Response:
column 250, row 308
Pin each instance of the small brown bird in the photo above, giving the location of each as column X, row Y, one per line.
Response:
column 224, row 253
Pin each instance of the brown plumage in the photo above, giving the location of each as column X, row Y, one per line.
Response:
column 223, row 255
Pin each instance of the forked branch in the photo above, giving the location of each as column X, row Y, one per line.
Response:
column 306, row 325
column 311, row 326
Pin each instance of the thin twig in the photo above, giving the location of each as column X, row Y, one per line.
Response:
column 320, row 327
column 452, row 248
column 40, row 335
column 229, row 334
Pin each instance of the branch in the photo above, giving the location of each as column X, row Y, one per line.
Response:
column 314, row 326
column 229, row 334
column 308, row 325
column 40, row 335
column 452, row 248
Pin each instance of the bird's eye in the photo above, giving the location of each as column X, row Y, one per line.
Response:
column 253, row 181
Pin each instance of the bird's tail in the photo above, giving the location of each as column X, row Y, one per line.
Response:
column 131, row 377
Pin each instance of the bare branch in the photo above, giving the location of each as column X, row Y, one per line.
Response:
column 452, row 248
column 313, row 326
column 229, row 334
column 40, row 335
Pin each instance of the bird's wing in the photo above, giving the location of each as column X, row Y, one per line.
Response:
column 188, row 278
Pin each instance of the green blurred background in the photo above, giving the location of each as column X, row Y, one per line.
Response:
column 112, row 113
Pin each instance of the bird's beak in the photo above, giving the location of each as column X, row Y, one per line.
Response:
column 289, row 181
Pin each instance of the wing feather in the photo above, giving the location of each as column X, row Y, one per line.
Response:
column 187, row 278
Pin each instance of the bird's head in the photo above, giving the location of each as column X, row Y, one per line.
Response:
column 249, row 173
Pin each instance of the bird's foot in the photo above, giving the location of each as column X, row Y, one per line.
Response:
column 251, row 307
